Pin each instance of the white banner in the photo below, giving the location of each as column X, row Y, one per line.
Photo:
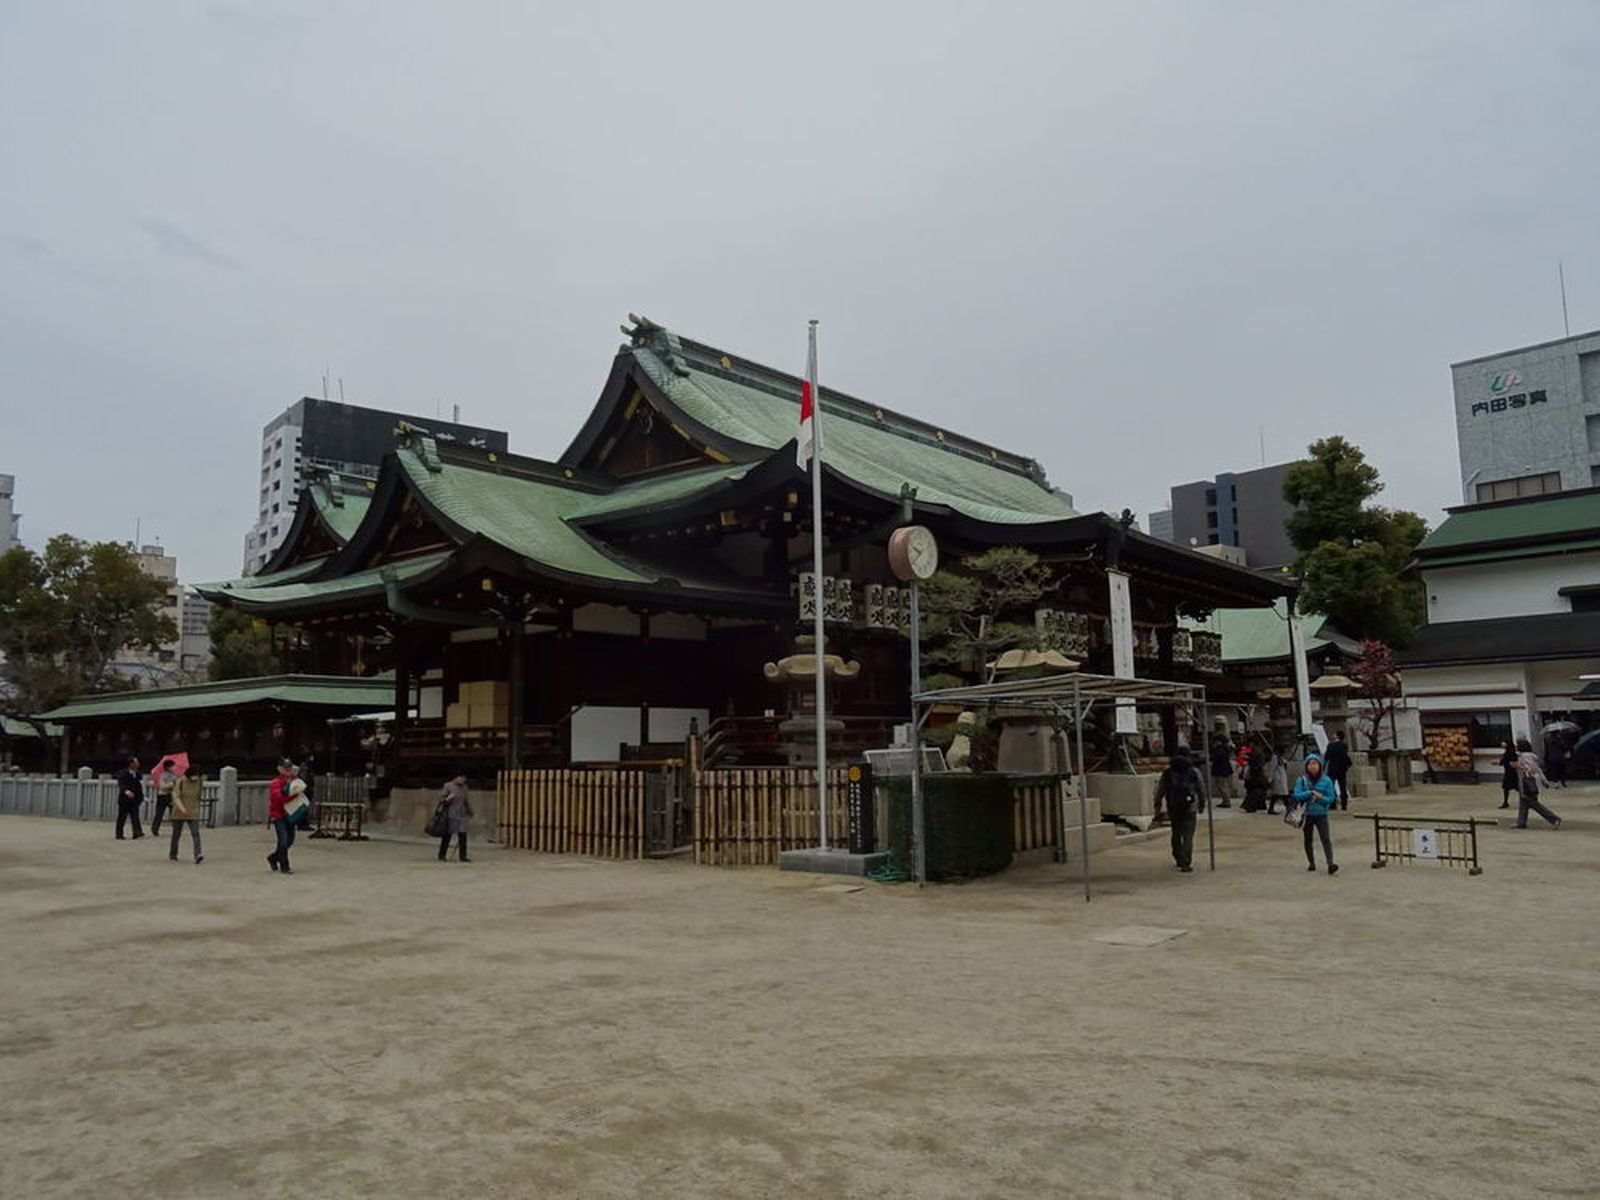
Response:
column 1122, row 646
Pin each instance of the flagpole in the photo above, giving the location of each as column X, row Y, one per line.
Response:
column 816, row 573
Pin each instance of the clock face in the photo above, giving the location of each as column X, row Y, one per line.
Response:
column 913, row 552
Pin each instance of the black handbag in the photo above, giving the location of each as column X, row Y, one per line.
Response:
column 439, row 823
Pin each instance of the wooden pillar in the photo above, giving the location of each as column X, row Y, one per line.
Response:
column 516, row 701
column 66, row 749
column 645, row 677
column 402, row 682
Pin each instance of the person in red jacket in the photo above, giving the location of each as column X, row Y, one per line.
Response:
column 277, row 796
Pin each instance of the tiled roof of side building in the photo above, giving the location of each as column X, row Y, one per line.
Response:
column 1262, row 634
column 1504, row 639
column 1482, row 529
column 877, row 449
column 331, row 691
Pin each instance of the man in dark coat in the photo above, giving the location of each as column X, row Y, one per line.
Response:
column 130, row 795
column 1337, row 761
column 1222, row 772
column 1181, row 788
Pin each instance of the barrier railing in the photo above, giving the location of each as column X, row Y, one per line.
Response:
column 1449, row 841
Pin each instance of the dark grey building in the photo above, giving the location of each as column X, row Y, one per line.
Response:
column 1237, row 508
column 345, row 438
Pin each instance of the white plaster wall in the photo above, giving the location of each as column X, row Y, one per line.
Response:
column 1521, row 588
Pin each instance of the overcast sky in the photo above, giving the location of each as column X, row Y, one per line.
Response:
column 1122, row 237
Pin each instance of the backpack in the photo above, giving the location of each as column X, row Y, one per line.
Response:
column 1188, row 791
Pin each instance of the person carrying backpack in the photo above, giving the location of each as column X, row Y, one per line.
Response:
column 1181, row 787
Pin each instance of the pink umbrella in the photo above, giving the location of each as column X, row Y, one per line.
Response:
column 180, row 764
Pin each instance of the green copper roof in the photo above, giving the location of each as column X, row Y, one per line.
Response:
column 330, row 691
column 762, row 410
column 341, row 506
column 531, row 517
column 1254, row 634
column 12, row 727
column 1486, row 528
column 280, row 588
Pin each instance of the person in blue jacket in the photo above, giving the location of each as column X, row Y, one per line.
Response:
column 1316, row 791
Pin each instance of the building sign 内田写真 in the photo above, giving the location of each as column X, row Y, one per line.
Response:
column 1496, row 404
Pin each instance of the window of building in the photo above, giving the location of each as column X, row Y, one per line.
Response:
column 1212, row 539
column 274, row 508
column 277, row 484
column 1527, row 485
column 1211, row 520
column 1591, row 425
column 1211, row 497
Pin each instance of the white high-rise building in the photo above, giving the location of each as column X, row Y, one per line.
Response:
column 9, row 517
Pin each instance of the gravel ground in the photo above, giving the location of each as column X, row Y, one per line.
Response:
column 384, row 1025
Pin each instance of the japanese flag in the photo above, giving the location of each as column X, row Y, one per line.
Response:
column 806, row 442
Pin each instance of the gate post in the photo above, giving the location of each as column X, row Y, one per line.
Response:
column 228, row 800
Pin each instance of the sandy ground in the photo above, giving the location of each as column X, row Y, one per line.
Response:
column 382, row 1025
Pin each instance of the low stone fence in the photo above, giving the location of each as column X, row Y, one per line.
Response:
column 87, row 798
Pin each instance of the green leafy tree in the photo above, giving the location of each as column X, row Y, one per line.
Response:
column 241, row 646
column 979, row 608
column 1352, row 555
column 66, row 613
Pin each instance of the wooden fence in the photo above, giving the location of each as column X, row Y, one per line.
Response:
column 602, row 812
column 1036, row 813
column 745, row 816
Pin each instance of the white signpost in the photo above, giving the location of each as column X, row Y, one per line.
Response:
column 1425, row 843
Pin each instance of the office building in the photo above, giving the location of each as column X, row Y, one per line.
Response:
column 343, row 438
column 1528, row 420
column 1243, row 509
column 9, row 517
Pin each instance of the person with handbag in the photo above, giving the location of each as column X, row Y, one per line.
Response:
column 278, row 795
column 1530, row 773
column 185, row 800
column 451, row 820
column 1181, row 788
column 1315, row 794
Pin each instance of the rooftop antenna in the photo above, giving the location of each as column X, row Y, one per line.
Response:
column 1261, row 432
column 341, row 389
column 455, row 414
column 1561, row 273
column 324, row 383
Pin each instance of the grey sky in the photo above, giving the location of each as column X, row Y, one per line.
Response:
column 1119, row 237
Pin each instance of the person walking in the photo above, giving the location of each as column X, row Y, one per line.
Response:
column 458, row 809
column 1530, row 774
column 1338, row 762
column 185, row 796
column 1278, row 781
column 1222, row 772
column 130, row 795
column 1555, row 760
column 1509, row 779
column 282, row 827
column 166, row 780
column 1255, row 781
column 1181, row 787
column 1316, row 791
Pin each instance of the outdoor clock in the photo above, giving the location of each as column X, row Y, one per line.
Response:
column 913, row 553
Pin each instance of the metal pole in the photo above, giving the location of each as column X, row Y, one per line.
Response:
column 816, row 573
column 1205, row 774
column 919, row 841
column 1083, row 786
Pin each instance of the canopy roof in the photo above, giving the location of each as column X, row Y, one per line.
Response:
column 1522, row 528
column 684, row 439
column 321, row 691
column 1075, row 687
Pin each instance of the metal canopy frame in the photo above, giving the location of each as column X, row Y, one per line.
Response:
column 1071, row 696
